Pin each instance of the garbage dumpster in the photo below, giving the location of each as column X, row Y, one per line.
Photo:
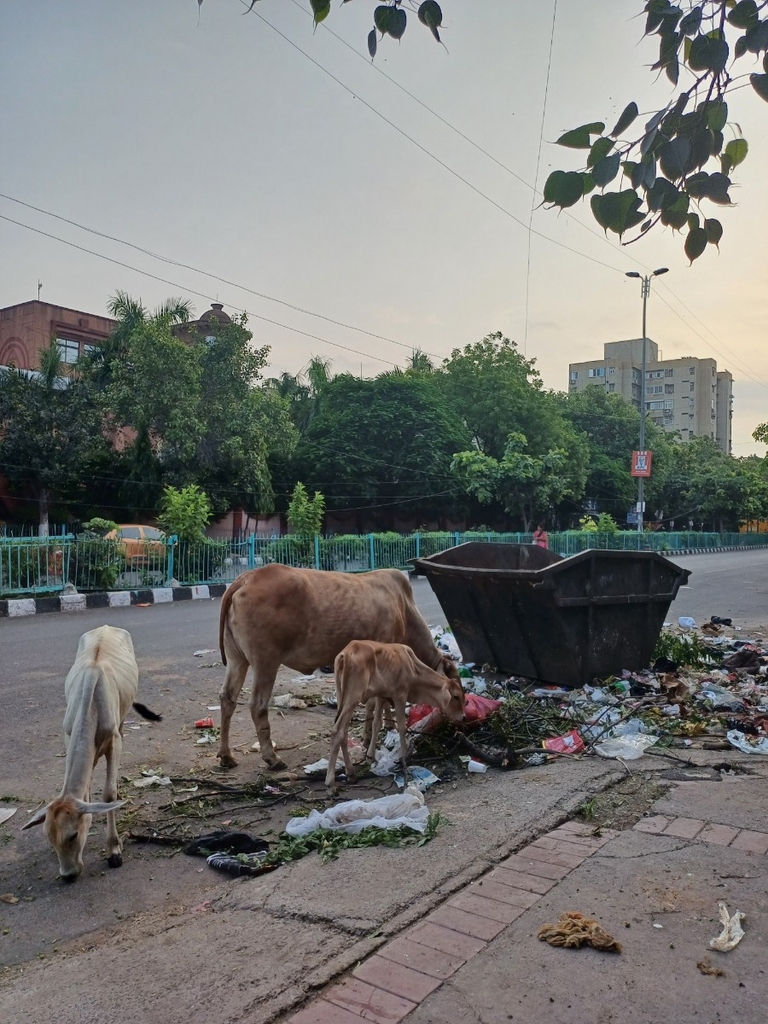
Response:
column 531, row 612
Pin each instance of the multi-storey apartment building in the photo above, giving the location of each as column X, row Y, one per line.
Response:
column 688, row 396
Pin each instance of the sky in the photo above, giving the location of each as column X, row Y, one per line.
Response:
column 348, row 206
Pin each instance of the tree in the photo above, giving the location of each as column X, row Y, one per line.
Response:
column 496, row 390
column 526, row 485
column 384, row 442
column 664, row 163
column 611, row 427
column 242, row 423
column 191, row 408
column 53, row 439
column 706, row 485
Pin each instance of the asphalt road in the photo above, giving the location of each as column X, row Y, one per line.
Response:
column 37, row 651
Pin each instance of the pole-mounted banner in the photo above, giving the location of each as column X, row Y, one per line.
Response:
column 641, row 463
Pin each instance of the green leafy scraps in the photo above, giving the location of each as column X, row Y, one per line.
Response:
column 330, row 842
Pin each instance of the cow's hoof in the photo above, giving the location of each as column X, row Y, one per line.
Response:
column 227, row 761
column 115, row 861
column 278, row 765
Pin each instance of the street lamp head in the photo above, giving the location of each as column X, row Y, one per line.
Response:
column 632, row 273
column 661, row 270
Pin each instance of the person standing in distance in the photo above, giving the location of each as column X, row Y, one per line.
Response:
column 540, row 537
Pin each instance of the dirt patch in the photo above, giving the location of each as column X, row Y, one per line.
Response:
column 624, row 803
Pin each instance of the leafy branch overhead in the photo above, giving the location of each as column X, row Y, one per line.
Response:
column 389, row 18
column 680, row 163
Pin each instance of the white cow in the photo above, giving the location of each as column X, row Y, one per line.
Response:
column 99, row 690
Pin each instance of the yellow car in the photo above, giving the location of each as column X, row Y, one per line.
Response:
column 139, row 545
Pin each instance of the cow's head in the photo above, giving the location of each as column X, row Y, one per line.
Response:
column 67, row 821
column 454, row 691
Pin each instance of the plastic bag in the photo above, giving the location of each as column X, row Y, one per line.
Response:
column 628, row 747
column 686, row 622
column 476, row 709
column 732, row 932
column 739, row 740
column 421, row 778
column 718, row 697
column 387, row 758
column 352, row 816
column 570, row 743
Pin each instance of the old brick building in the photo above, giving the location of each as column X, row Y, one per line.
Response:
column 28, row 327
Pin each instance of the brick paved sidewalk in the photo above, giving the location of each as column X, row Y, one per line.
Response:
column 400, row 975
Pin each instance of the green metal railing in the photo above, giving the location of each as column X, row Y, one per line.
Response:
column 31, row 565
column 34, row 565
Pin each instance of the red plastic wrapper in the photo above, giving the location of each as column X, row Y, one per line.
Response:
column 570, row 743
column 476, row 709
column 204, row 723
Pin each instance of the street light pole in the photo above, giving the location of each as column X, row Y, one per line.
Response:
column 645, row 291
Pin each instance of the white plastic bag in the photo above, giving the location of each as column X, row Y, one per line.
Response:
column 352, row 816
column 739, row 740
column 628, row 747
column 732, row 932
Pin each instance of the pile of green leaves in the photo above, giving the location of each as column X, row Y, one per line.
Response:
column 686, row 649
column 330, row 842
column 523, row 721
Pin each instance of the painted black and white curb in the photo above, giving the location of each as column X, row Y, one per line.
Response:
column 15, row 607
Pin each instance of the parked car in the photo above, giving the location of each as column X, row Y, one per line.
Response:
column 139, row 545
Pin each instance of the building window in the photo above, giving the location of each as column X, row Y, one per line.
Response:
column 691, row 386
column 611, row 387
column 87, row 349
column 669, row 389
column 654, row 405
column 574, row 374
column 669, row 373
column 669, row 403
column 692, row 370
column 611, row 370
column 598, row 371
column 69, row 351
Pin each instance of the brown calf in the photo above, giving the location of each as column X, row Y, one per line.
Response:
column 367, row 670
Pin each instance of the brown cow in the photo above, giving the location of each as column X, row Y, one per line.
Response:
column 370, row 671
column 303, row 618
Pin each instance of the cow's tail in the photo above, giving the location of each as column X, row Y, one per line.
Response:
column 145, row 712
column 338, row 676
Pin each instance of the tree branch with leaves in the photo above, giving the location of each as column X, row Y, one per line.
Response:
column 680, row 159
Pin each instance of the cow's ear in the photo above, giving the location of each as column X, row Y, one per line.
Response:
column 37, row 818
column 98, row 806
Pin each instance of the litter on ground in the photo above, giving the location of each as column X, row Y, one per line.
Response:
column 732, row 932
column 574, row 930
column 353, row 816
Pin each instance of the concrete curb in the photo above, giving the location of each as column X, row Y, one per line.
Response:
column 706, row 551
column 15, row 607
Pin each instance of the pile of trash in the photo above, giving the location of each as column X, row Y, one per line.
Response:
column 708, row 687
